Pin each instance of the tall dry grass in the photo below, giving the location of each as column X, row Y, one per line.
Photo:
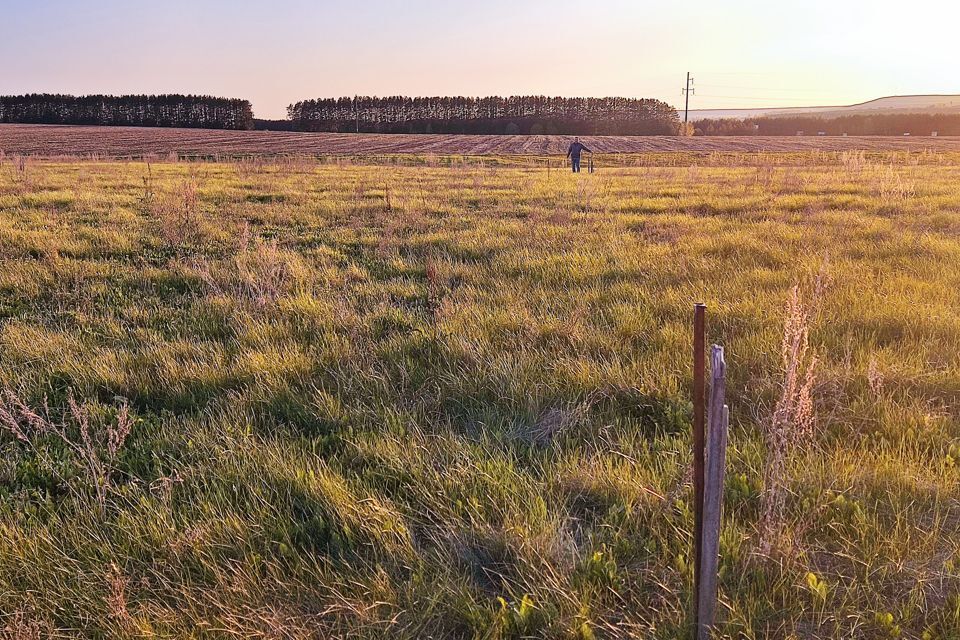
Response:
column 791, row 426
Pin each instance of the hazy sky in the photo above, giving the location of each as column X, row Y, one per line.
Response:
column 748, row 53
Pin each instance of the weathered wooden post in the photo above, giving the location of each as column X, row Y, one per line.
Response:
column 699, row 438
column 716, row 455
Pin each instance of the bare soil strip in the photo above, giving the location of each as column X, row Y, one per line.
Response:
column 52, row 141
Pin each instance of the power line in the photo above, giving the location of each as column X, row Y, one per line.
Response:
column 754, row 99
column 776, row 90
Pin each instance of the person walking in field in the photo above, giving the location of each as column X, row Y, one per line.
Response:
column 576, row 148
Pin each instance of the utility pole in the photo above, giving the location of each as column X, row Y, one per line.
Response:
column 687, row 92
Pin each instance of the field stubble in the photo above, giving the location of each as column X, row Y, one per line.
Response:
column 452, row 401
column 165, row 143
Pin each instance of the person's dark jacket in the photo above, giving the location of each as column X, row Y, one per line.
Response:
column 576, row 149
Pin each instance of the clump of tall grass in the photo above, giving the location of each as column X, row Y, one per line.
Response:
column 265, row 272
column 765, row 173
column 890, row 185
column 792, row 182
column 22, row 177
column 250, row 166
column 179, row 215
column 853, row 161
column 258, row 274
column 555, row 421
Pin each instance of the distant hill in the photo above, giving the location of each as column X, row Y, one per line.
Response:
column 891, row 104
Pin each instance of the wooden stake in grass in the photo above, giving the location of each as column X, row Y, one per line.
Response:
column 716, row 455
column 699, row 419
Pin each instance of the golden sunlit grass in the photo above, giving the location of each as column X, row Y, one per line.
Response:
column 452, row 400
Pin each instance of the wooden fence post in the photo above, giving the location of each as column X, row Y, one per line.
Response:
column 699, row 420
column 716, row 454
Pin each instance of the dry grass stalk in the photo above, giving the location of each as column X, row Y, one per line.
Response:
column 853, row 161
column 249, row 166
column 22, row 178
column 260, row 273
column 555, row 421
column 96, row 449
column 22, row 624
column 765, row 174
column 264, row 272
column 875, row 377
column 179, row 215
column 117, row 595
column 792, row 423
column 891, row 186
column 149, row 192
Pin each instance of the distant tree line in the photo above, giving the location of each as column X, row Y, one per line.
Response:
column 197, row 112
column 491, row 115
column 528, row 115
column 890, row 124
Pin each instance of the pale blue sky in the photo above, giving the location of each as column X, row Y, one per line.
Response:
column 742, row 52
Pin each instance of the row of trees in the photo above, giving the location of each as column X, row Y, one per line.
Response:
column 892, row 124
column 497, row 115
column 401, row 114
column 198, row 112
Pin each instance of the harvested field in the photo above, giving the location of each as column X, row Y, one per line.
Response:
column 120, row 142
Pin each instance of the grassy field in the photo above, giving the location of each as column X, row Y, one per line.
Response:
column 452, row 401
column 161, row 143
